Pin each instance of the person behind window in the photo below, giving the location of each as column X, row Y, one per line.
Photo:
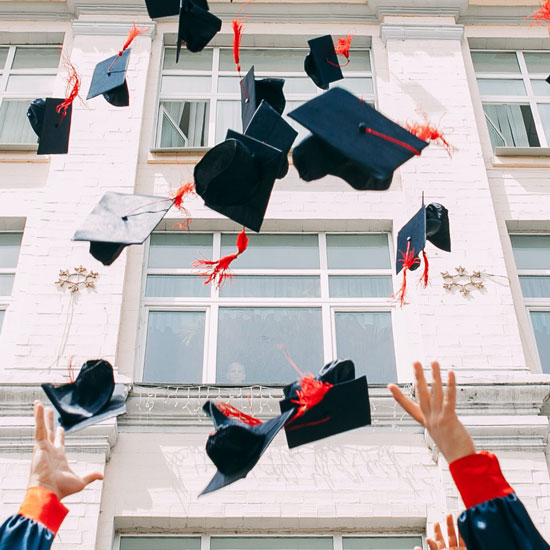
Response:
column 236, row 373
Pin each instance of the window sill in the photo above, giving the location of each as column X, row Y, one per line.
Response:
column 522, row 151
column 522, row 157
column 23, row 152
column 178, row 155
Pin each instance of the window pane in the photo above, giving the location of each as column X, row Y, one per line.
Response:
column 228, row 116
column 358, row 251
column 10, row 243
column 36, row 58
column 14, row 125
column 265, row 60
column 184, row 123
column 531, row 251
column 271, row 543
column 359, row 61
column 537, row 62
column 357, row 86
column 6, row 284
column 495, row 62
column 381, row 543
column 174, row 348
column 541, row 327
column 23, row 84
column 275, row 252
column 251, row 337
column 535, row 287
column 160, row 543
column 366, row 338
column 184, row 85
column 276, row 287
column 229, row 84
column 299, row 85
column 3, row 57
column 178, row 250
column 176, row 285
column 188, row 61
column 360, row 287
column 541, row 87
column 512, row 123
column 489, row 86
column 544, row 112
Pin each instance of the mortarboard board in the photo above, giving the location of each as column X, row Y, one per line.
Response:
column 548, row 79
column 109, row 79
column 253, row 92
column 92, row 397
column 166, row 8
column 429, row 223
column 351, row 140
column 52, row 127
column 197, row 26
column 236, row 447
column 345, row 405
column 269, row 126
column 236, row 178
column 120, row 220
column 321, row 63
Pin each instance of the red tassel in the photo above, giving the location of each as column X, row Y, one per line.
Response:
column 134, row 32
column 390, row 139
column 217, row 271
column 73, row 87
column 237, row 32
column 233, row 412
column 427, row 132
column 343, row 46
column 409, row 260
column 541, row 15
column 312, row 393
column 184, row 190
column 426, row 269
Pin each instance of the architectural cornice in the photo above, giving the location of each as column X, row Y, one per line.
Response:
column 106, row 28
column 390, row 31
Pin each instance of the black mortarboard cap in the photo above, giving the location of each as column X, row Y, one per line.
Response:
column 344, row 407
column 120, row 220
column 321, row 63
column 254, row 91
column 236, row 447
column 429, row 223
column 548, row 79
column 351, row 140
column 166, row 8
column 109, row 79
column 197, row 26
column 53, row 129
column 92, row 397
column 236, row 178
column 269, row 126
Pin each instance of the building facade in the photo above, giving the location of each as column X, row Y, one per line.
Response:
column 316, row 280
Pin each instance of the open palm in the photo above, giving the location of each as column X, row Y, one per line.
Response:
column 455, row 542
column 49, row 467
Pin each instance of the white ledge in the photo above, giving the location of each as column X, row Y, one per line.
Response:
column 390, row 31
column 104, row 28
column 522, row 151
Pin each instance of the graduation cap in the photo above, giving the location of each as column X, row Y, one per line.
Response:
column 236, row 446
column 321, row 63
column 269, row 126
column 52, row 127
column 236, row 178
column 253, row 92
column 197, row 26
column 166, row 8
column 92, row 397
column 330, row 404
column 548, row 79
column 351, row 140
column 120, row 220
column 109, row 79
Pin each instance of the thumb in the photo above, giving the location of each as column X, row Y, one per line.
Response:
column 90, row 478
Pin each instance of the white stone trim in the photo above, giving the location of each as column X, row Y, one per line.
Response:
column 421, row 32
column 103, row 28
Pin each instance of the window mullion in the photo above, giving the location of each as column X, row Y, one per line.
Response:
column 214, row 97
column 325, row 307
column 7, row 67
column 211, row 345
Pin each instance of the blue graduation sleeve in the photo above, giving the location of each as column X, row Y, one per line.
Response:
column 36, row 524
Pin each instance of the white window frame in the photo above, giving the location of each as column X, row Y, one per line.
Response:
column 530, row 98
column 337, row 538
column 6, row 71
column 214, row 96
column 5, row 301
column 328, row 306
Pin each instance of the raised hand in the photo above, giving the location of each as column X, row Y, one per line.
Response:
column 436, row 412
column 439, row 542
column 49, row 467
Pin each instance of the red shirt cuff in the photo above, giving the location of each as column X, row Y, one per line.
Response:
column 44, row 507
column 478, row 478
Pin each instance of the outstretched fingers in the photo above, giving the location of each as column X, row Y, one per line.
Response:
column 451, row 533
column 410, row 406
column 423, row 393
column 90, row 478
column 433, row 545
column 450, row 396
column 436, row 399
column 48, row 413
column 39, row 423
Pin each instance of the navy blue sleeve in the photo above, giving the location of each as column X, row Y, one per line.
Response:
column 21, row 533
column 500, row 524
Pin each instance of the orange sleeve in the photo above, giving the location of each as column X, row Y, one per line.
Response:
column 44, row 507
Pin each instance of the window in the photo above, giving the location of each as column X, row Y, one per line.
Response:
column 320, row 296
column 10, row 243
column 515, row 96
column 268, row 543
column 26, row 73
column 532, row 255
column 200, row 96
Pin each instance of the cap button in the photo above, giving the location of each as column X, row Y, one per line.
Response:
column 362, row 128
